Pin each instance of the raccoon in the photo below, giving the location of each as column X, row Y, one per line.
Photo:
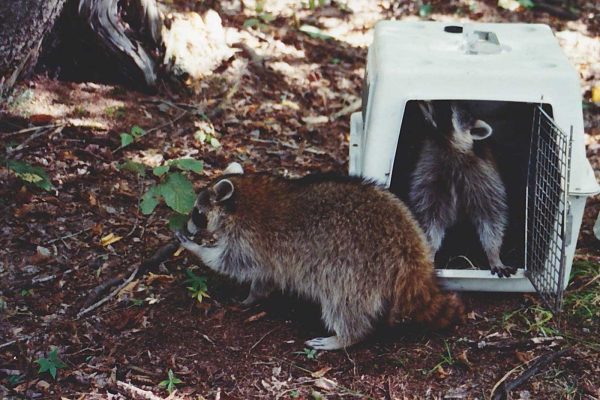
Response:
column 345, row 243
column 456, row 177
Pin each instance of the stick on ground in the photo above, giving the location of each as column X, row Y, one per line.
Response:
column 502, row 391
column 158, row 257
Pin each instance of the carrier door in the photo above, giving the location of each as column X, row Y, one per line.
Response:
column 547, row 208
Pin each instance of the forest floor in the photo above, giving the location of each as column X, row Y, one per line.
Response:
column 284, row 108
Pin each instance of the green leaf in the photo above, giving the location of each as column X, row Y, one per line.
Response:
column 50, row 364
column 126, row 139
column 177, row 221
column 161, row 170
column 425, row 10
column 170, row 382
column 314, row 32
column 150, row 200
column 31, row 174
column 178, row 193
column 267, row 17
column 214, row 142
column 137, row 131
column 132, row 166
column 188, row 164
column 251, row 22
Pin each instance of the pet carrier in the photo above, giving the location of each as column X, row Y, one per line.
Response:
column 516, row 78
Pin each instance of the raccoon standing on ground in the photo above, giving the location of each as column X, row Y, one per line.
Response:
column 456, row 177
column 348, row 244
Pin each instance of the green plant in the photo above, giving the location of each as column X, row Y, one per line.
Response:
column 533, row 319
column 311, row 354
column 197, row 285
column 134, row 134
column 314, row 32
column 446, row 360
column 51, row 364
column 14, row 380
column 312, row 4
column 115, row 111
column 583, row 301
column 174, row 188
column 261, row 21
column 170, row 382
column 425, row 10
column 30, row 174
column 26, row 292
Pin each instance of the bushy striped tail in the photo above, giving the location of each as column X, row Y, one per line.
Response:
column 417, row 296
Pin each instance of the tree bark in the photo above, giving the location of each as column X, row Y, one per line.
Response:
column 23, row 25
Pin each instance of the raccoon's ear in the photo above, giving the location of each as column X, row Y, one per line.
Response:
column 427, row 110
column 480, row 130
column 223, row 190
column 233, row 168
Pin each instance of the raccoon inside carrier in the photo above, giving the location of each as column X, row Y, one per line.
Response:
column 479, row 129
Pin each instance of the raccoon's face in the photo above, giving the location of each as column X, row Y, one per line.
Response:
column 453, row 123
column 211, row 202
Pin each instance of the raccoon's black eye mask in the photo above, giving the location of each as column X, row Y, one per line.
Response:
column 199, row 219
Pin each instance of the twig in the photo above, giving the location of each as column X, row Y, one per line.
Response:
column 218, row 110
column 35, row 135
column 511, row 344
column 555, row 10
column 170, row 122
column 70, row 235
column 135, row 392
column 262, row 338
column 502, row 389
column 159, row 256
column 33, row 128
column 110, row 296
column 11, row 342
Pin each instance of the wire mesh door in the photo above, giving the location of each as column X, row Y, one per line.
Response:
column 547, row 208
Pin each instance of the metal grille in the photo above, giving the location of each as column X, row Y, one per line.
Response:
column 547, row 204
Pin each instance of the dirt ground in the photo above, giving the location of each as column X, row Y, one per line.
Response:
column 286, row 114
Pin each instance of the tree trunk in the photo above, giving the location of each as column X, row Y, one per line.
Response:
column 117, row 32
column 23, row 25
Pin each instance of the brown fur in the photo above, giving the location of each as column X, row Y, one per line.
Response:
column 350, row 245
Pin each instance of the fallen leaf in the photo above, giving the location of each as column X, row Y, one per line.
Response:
column 42, row 255
column 596, row 94
column 441, row 372
column 179, row 251
column 41, row 119
column 256, row 317
column 92, row 199
column 320, row 373
column 109, row 239
column 128, row 288
column 314, row 120
column 326, row 384
column 157, row 277
column 523, row 356
column 463, row 358
column 473, row 315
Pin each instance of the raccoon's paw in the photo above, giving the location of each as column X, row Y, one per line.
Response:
column 183, row 239
column 325, row 343
column 503, row 271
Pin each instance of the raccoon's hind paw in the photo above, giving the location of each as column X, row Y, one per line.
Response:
column 325, row 343
column 503, row 271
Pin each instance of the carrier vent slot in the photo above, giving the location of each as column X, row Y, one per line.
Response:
column 547, row 208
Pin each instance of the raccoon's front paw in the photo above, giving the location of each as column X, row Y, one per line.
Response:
column 325, row 343
column 503, row 271
column 183, row 239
